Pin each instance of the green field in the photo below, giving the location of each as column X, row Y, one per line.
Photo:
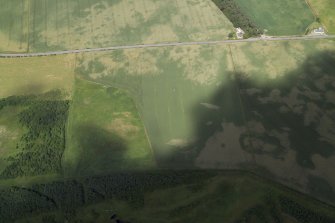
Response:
column 199, row 107
column 104, row 133
column 45, row 25
column 278, row 17
column 237, row 132
column 178, row 90
column 324, row 9
column 194, row 106
column 120, row 126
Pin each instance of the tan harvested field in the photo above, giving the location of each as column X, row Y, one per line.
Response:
column 69, row 24
column 36, row 75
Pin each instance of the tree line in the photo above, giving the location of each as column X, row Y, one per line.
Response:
column 69, row 195
column 301, row 213
column 238, row 17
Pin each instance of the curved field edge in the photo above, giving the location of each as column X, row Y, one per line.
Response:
column 258, row 71
column 324, row 10
column 23, row 78
column 104, row 132
column 204, row 106
column 154, row 196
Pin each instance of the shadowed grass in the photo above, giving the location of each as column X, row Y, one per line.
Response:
column 104, row 133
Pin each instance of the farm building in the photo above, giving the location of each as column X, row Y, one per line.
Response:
column 239, row 33
column 319, row 31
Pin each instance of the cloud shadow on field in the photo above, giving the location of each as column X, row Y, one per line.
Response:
column 29, row 88
column 223, row 106
column 281, row 106
column 297, row 105
column 101, row 150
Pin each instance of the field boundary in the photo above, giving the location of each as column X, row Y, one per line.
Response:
column 316, row 14
column 168, row 44
column 152, row 152
column 228, row 172
column 245, row 120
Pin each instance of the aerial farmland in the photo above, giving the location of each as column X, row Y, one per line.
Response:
column 163, row 111
column 323, row 10
column 44, row 25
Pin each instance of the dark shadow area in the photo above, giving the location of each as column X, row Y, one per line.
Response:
column 65, row 197
column 35, row 88
column 101, row 151
column 223, row 192
column 321, row 188
column 281, row 106
column 292, row 113
column 299, row 105
column 224, row 106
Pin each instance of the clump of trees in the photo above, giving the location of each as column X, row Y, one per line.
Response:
column 42, row 145
column 16, row 202
column 238, row 17
column 301, row 213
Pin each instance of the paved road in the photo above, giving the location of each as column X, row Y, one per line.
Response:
column 282, row 38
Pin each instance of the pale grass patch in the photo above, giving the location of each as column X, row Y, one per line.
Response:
column 241, row 61
column 122, row 127
column 36, row 75
column 198, row 68
column 161, row 33
column 136, row 62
